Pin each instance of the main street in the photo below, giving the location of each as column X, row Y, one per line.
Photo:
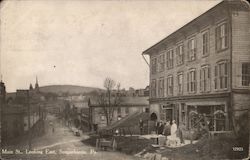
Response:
column 59, row 143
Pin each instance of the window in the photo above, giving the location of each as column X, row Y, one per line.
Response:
column 126, row 110
column 154, row 65
column 191, row 78
column 221, row 76
column 180, row 54
column 205, row 79
column 102, row 117
column 161, row 62
column 170, row 84
column 170, row 58
column 180, row 83
column 153, row 88
column 221, row 37
column 245, row 74
column 191, row 49
column 205, row 43
column 161, row 87
column 119, row 111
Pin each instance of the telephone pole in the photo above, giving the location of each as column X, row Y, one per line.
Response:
column 29, row 132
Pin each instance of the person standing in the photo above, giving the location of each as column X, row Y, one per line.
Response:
column 173, row 129
column 141, row 126
column 161, row 128
column 167, row 128
column 181, row 129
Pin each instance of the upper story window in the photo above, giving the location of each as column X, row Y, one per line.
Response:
column 170, row 85
column 205, row 79
column 221, row 34
column 221, row 75
column 154, row 65
column 119, row 111
column 170, row 58
column 191, row 81
column 102, row 117
column 180, row 54
column 153, row 88
column 161, row 62
column 191, row 49
column 161, row 87
column 245, row 74
column 180, row 83
column 126, row 110
column 205, row 43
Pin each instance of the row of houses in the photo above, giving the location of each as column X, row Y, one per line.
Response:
column 20, row 112
column 203, row 68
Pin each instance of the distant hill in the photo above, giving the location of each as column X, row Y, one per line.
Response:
column 71, row 89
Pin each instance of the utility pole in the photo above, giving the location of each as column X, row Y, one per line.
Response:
column 29, row 132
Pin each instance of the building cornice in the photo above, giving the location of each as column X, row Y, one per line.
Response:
column 215, row 11
column 193, row 97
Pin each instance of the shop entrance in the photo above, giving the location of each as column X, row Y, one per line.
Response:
column 169, row 115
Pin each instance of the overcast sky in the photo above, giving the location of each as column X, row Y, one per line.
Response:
column 82, row 42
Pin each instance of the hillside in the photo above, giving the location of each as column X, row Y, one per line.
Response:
column 71, row 89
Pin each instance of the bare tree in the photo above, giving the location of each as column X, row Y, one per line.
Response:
column 110, row 99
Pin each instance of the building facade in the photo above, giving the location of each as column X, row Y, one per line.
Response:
column 20, row 113
column 203, row 69
column 127, row 107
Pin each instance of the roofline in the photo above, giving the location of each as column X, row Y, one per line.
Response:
column 121, row 105
column 195, row 19
column 144, row 52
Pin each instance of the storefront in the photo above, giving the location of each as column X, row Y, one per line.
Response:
column 195, row 114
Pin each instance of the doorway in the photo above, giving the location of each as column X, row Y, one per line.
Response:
column 169, row 115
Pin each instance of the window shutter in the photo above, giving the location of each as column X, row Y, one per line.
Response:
column 177, row 56
column 208, row 79
column 217, row 37
column 167, row 59
column 226, row 35
column 195, row 81
column 188, row 51
column 200, row 80
column 226, row 68
column 216, row 77
column 188, row 81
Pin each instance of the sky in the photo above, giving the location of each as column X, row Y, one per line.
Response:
column 83, row 42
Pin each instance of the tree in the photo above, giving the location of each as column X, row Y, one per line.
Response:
column 109, row 100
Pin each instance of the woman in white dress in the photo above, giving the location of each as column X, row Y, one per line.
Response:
column 173, row 129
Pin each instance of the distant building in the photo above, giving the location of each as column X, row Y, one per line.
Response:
column 131, row 92
column 127, row 107
column 142, row 92
column 19, row 108
column 203, row 68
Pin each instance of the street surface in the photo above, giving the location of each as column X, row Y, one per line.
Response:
column 61, row 144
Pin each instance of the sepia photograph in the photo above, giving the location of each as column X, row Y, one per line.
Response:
column 124, row 79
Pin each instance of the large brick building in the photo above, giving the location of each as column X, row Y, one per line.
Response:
column 204, row 68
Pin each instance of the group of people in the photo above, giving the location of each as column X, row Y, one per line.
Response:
column 169, row 129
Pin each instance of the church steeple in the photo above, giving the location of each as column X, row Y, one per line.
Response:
column 36, row 85
column 31, row 87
